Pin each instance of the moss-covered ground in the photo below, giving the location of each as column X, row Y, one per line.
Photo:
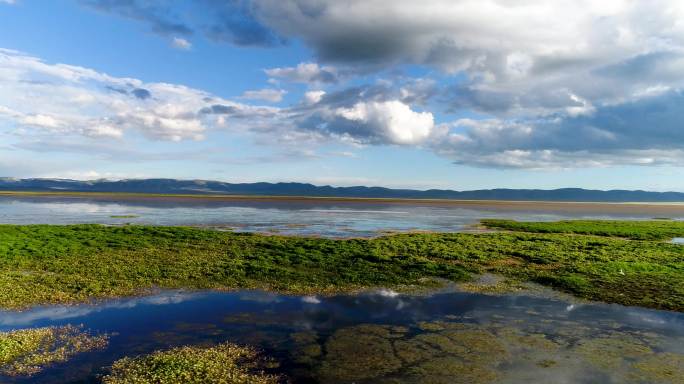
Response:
column 620, row 262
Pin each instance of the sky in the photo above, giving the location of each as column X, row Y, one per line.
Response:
column 459, row 94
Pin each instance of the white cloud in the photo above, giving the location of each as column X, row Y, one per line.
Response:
column 42, row 98
column 181, row 43
column 313, row 97
column 266, row 94
column 304, row 73
column 10, row 2
column 43, row 121
column 392, row 121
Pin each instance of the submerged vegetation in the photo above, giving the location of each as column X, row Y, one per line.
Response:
column 222, row 364
column 26, row 352
column 594, row 260
column 498, row 350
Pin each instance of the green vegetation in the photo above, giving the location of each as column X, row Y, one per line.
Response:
column 222, row 364
column 657, row 229
column 61, row 264
column 28, row 351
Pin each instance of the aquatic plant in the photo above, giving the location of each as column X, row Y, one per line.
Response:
column 63, row 264
column 222, row 364
column 660, row 368
column 26, row 352
column 458, row 352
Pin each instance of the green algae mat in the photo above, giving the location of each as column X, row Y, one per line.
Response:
column 626, row 262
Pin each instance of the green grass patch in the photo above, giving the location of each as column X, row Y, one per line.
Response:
column 62, row 264
column 225, row 363
column 26, row 352
column 657, row 229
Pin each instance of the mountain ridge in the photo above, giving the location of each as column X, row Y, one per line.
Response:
column 211, row 187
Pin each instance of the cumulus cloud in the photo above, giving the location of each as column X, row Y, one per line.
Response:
column 388, row 122
column 375, row 115
column 267, row 94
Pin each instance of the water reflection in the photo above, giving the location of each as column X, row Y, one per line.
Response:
column 324, row 218
column 407, row 338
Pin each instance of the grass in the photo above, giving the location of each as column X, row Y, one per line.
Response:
column 62, row 264
column 222, row 364
column 657, row 229
column 26, row 352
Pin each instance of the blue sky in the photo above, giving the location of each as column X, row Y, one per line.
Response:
column 402, row 94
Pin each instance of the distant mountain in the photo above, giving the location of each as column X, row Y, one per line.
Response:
column 301, row 189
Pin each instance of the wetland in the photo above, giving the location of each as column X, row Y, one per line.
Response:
column 337, row 293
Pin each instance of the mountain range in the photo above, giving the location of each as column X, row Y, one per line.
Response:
column 174, row 186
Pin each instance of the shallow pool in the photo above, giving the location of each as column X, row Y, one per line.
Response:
column 384, row 337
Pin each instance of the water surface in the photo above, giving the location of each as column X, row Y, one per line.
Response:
column 320, row 218
column 382, row 336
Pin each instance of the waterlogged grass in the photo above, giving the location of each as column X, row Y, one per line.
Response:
column 26, row 352
column 657, row 229
column 60, row 264
column 222, row 364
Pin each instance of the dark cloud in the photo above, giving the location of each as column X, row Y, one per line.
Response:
column 235, row 21
column 141, row 93
column 232, row 21
column 156, row 13
column 218, row 109
column 647, row 131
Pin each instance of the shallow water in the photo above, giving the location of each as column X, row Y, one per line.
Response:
column 381, row 336
column 320, row 218
column 678, row 240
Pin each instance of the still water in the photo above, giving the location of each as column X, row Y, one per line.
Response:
column 319, row 218
column 448, row 336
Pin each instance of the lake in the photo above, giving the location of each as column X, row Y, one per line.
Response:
column 306, row 217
